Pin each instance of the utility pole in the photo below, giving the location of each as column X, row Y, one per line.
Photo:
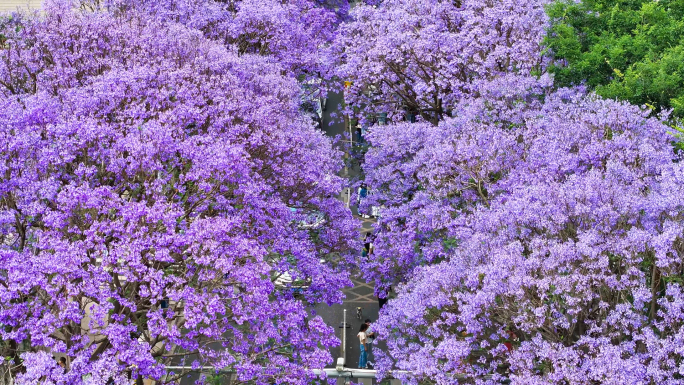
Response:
column 344, row 336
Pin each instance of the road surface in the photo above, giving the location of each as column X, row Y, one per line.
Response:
column 361, row 295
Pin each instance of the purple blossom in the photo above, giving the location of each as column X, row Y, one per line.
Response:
column 422, row 57
column 556, row 226
column 146, row 193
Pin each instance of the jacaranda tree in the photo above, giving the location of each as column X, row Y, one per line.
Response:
column 291, row 33
column 421, row 57
column 401, row 174
column 551, row 239
column 425, row 58
column 154, row 186
column 530, row 234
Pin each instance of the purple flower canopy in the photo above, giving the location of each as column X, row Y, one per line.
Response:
column 148, row 182
column 291, row 33
column 423, row 56
column 528, row 233
column 546, row 242
column 159, row 182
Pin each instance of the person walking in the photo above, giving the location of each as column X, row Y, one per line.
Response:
column 63, row 363
column 363, row 339
column 370, row 336
column 363, row 193
column 367, row 248
column 383, row 301
column 367, row 241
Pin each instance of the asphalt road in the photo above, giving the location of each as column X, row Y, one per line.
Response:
column 361, row 294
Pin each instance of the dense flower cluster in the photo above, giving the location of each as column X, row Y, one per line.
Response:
column 164, row 202
column 530, row 234
column 554, row 234
column 290, row 33
column 423, row 56
column 153, row 188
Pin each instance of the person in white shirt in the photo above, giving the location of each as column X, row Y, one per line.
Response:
column 363, row 339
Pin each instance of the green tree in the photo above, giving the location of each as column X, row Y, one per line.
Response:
column 627, row 49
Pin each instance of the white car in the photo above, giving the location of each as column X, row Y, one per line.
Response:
column 313, row 110
column 313, row 101
column 310, row 220
column 284, row 280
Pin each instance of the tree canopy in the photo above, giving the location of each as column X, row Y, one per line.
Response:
column 163, row 200
column 547, row 245
column 629, row 49
column 535, row 234
column 423, row 56
column 154, row 188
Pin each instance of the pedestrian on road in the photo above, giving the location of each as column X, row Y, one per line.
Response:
column 363, row 193
column 370, row 336
column 363, row 339
column 383, row 301
column 367, row 241
column 63, row 363
column 366, row 246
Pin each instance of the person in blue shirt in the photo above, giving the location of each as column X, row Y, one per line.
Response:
column 363, row 193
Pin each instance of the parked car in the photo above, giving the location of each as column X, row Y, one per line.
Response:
column 313, row 100
column 284, row 281
column 313, row 110
column 308, row 219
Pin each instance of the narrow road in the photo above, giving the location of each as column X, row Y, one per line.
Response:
column 361, row 294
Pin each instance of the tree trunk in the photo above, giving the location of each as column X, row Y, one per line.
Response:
column 5, row 375
column 655, row 282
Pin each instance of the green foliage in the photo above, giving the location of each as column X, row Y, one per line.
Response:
column 626, row 49
column 217, row 379
column 450, row 243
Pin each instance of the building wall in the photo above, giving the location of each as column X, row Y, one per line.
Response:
column 12, row 5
